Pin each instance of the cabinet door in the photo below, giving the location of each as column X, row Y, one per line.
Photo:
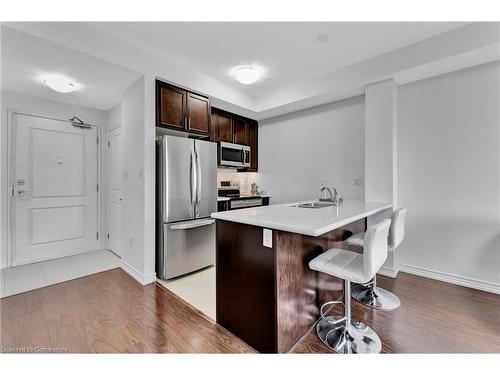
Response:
column 253, row 143
column 224, row 128
column 171, row 105
column 213, row 127
column 198, row 113
column 240, row 131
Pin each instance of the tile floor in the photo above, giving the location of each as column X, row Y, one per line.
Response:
column 197, row 289
column 21, row 279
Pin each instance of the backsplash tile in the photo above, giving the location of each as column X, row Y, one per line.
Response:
column 243, row 180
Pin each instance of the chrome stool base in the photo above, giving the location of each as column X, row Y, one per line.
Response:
column 357, row 339
column 375, row 297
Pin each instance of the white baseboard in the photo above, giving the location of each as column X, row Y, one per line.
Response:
column 143, row 280
column 451, row 278
column 389, row 272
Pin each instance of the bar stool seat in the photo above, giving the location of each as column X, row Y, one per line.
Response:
column 370, row 294
column 344, row 264
column 341, row 333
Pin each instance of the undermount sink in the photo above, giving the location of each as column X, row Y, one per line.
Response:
column 313, row 205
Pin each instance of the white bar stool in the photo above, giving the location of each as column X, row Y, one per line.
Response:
column 369, row 294
column 343, row 334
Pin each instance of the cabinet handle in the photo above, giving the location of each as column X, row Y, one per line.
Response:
column 185, row 122
column 189, row 123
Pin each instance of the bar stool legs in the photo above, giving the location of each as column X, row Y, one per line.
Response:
column 345, row 335
column 370, row 295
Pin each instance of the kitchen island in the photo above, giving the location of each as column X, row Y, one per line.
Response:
column 266, row 293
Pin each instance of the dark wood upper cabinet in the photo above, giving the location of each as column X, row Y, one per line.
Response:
column 224, row 125
column 198, row 113
column 213, row 126
column 253, row 140
column 240, row 131
column 229, row 127
column 180, row 109
column 170, row 106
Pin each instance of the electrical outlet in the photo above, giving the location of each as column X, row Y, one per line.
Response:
column 358, row 181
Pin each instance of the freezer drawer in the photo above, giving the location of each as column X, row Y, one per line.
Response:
column 187, row 246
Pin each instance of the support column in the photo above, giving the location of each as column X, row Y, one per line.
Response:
column 381, row 153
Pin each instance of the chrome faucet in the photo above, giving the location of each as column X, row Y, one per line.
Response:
column 334, row 197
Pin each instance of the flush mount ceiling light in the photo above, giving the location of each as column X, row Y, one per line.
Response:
column 247, row 74
column 59, row 83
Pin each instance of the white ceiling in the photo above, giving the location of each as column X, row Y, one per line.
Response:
column 25, row 56
column 289, row 52
column 301, row 73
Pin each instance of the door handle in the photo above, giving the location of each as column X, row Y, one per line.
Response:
column 198, row 178
column 193, row 180
column 23, row 194
column 192, row 224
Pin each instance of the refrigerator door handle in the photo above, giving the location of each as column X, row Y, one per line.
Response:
column 192, row 224
column 198, row 178
column 193, row 182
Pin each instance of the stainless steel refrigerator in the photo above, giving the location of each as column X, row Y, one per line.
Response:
column 186, row 197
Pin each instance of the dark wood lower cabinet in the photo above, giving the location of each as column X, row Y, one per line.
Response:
column 245, row 285
column 269, row 297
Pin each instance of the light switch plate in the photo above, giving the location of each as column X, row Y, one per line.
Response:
column 267, row 238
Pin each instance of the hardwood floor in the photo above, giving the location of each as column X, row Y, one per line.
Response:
column 110, row 312
column 434, row 317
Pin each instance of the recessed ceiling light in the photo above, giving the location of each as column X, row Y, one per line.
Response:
column 247, row 74
column 322, row 38
column 59, row 83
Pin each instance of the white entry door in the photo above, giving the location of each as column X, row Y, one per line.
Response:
column 54, row 173
column 115, row 190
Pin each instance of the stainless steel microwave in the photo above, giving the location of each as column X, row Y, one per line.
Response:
column 234, row 155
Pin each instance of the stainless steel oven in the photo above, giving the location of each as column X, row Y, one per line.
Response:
column 234, row 155
column 234, row 204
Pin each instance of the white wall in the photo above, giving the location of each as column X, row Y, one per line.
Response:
column 114, row 116
column 380, row 139
column 299, row 150
column 380, row 153
column 35, row 106
column 449, row 176
column 135, row 259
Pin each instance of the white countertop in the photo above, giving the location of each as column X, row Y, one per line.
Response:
column 307, row 221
